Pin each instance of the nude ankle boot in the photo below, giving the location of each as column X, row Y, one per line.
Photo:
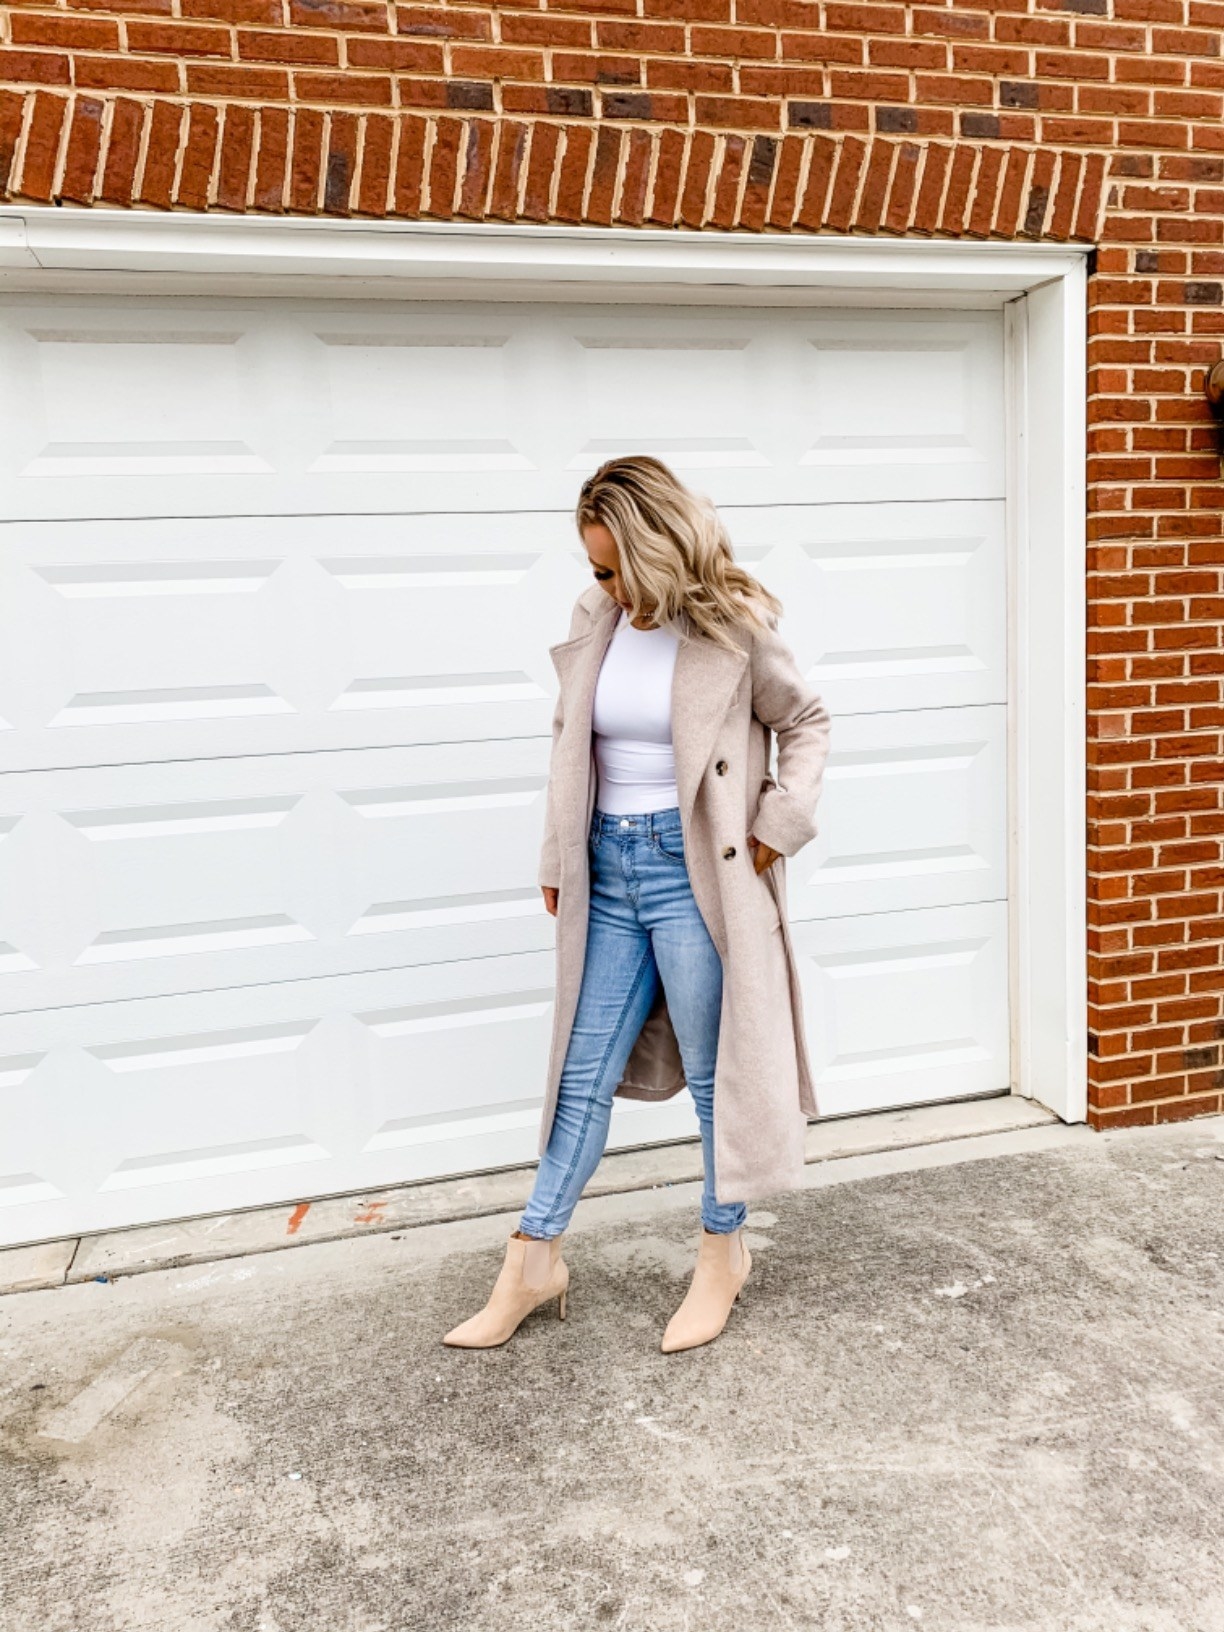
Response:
column 723, row 1262
column 532, row 1272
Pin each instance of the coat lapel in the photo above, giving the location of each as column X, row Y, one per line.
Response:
column 703, row 685
column 577, row 662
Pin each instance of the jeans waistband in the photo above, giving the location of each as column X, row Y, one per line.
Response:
column 644, row 823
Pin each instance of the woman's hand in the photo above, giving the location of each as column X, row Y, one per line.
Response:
column 550, row 898
column 762, row 855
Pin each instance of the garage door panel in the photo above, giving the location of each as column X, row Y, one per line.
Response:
column 906, row 1007
column 677, row 392
column 143, row 880
column 164, row 639
column 913, row 814
column 889, row 606
column 897, row 397
column 225, row 1099
column 98, row 406
column 422, row 398
column 347, row 409
column 319, row 1086
column 155, row 639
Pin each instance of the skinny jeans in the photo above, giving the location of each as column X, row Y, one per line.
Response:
column 644, row 927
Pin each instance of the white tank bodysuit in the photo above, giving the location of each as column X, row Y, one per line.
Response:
column 631, row 722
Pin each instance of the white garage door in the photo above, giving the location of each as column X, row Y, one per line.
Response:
column 278, row 581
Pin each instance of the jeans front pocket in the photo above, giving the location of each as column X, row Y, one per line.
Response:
column 669, row 842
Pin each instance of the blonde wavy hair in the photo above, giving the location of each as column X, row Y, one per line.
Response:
column 675, row 553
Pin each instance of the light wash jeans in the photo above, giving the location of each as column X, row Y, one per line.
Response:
column 644, row 926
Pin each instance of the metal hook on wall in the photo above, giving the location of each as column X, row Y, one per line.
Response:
column 1213, row 388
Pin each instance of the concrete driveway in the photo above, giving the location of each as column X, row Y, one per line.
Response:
column 969, row 1388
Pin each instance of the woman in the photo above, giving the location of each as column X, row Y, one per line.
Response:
column 662, row 862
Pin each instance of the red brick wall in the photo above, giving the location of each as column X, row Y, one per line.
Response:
column 1061, row 119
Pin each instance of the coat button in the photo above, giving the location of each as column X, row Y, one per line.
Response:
column 728, row 852
column 721, row 767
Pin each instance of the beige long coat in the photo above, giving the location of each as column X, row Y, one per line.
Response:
column 725, row 705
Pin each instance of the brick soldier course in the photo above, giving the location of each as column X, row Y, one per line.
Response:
column 1097, row 121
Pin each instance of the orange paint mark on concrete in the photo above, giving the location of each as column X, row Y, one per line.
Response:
column 296, row 1217
column 370, row 1216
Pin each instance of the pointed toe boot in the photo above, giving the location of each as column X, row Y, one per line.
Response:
column 533, row 1272
column 723, row 1262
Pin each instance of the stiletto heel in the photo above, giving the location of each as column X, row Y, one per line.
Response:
column 561, row 1304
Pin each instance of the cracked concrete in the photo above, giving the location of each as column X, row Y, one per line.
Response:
column 965, row 1391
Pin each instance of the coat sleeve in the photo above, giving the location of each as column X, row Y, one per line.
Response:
column 549, row 871
column 783, row 700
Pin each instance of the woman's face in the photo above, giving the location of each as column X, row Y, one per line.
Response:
column 604, row 556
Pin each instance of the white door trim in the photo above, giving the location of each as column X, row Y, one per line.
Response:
column 387, row 255
column 1045, row 347
column 1042, row 288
